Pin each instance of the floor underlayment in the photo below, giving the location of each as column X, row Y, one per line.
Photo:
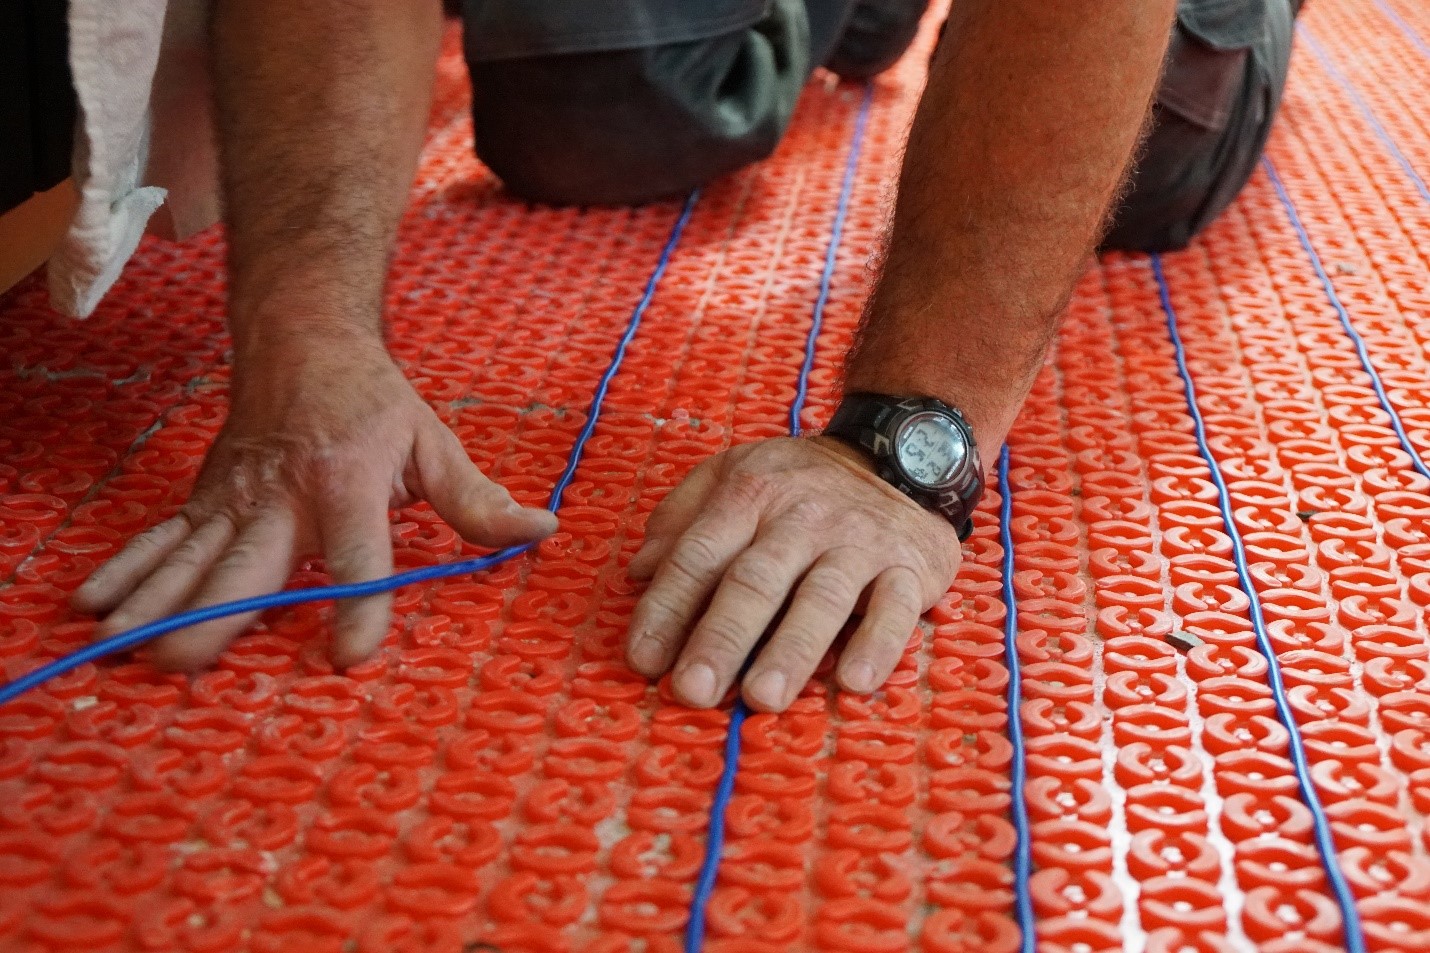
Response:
column 496, row 780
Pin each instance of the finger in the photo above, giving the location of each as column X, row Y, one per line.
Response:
column 257, row 562
column 673, row 517
column 480, row 510
column 751, row 592
column 877, row 645
column 170, row 585
column 109, row 584
column 821, row 606
column 357, row 543
column 683, row 583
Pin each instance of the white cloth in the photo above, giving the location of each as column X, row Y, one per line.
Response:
column 140, row 77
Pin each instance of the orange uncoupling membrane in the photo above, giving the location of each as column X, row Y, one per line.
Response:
column 496, row 776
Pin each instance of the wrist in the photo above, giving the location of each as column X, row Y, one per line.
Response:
column 313, row 301
column 297, row 331
column 845, row 450
column 979, row 358
column 280, row 356
column 921, row 446
column 989, row 410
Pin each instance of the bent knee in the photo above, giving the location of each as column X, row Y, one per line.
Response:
column 565, row 140
column 1219, row 93
column 632, row 126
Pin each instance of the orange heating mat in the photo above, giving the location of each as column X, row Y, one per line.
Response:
column 495, row 779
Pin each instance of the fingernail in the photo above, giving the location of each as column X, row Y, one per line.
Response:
column 768, row 688
column 859, row 676
column 697, row 684
column 645, row 655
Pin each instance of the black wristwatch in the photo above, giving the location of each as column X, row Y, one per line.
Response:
column 922, row 446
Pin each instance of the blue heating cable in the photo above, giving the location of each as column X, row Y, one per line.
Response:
column 1017, row 774
column 715, row 833
column 1361, row 351
column 1344, row 82
column 1350, row 916
column 1359, row 342
column 1405, row 28
column 288, row 597
column 826, row 278
column 715, row 837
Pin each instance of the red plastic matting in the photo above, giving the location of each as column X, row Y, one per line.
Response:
column 495, row 779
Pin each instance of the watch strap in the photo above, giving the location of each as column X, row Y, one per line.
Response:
column 869, row 423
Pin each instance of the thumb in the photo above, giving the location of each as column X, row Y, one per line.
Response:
column 480, row 510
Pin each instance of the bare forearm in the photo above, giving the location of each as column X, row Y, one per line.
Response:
column 321, row 108
column 1031, row 115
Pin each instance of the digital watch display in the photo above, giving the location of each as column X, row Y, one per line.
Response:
column 921, row 446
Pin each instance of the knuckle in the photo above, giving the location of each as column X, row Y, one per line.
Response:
column 480, row 492
column 659, row 604
column 352, row 557
column 891, row 632
column 745, row 486
column 857, row 527
column 322, row 464
column 200, row 507
column 240, row 553
column 147, row 541
column 187, row 558
column 695, row 557
column 807, row 512
column 828, row 589
column 905, row 591
column 757, row 573
column 802, row 647
column 724, row 638
column 907, row 588
column 368, row 612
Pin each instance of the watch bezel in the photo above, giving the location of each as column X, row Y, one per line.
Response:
column 870, row 422
column 901, row 430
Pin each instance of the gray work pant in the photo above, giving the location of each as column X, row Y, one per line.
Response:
column 648, row 122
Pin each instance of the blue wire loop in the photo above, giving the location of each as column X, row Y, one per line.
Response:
column 1405, row 28
column 1359, row 342
column 715, row 838
column 1344, row 82
column 826, row 277
column 715, row 834
column 1321, row 828
column 1416, row 460
column 288, row 597
column 1018, row 771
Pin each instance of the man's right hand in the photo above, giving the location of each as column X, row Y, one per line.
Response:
column 322, row 438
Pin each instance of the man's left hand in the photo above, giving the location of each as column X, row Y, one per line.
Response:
column 801, row 525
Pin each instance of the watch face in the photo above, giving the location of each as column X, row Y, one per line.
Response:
column 930, row 449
